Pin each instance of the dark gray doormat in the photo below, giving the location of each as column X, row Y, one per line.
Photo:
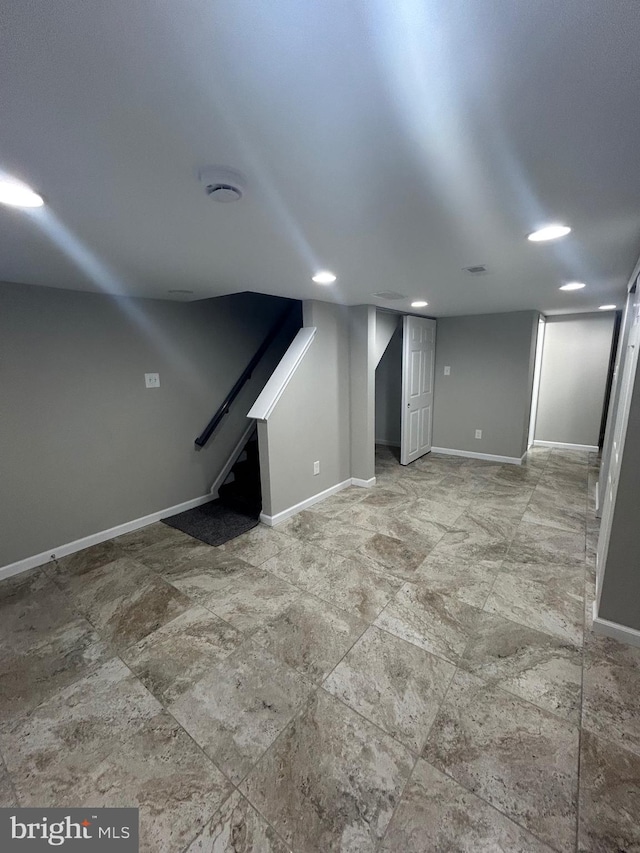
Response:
column 212, row 523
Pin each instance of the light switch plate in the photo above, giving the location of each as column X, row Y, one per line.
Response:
column 478, row 433
column 152, row 380
column 447, row 370
column 316, row 468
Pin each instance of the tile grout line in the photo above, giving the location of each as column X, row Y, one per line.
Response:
column 441, row 704
column 502, row 569
column 116, row 654
column 201, row 749
column 377, row 725
column 302, row 591
column 320, row 686
column 197, row 745
column 584, row 631
column 246, row 636
column 457, row 667
column 381, row 840
column 298, row 712
column 494, row 807
column 521, row 699
column 518, row 698
column 504, row 691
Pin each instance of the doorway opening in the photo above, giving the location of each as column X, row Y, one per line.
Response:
column 404, row 386
column 388, row 398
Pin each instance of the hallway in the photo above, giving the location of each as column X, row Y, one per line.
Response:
column 406, row 668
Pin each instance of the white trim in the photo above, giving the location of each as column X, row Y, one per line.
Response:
column 562, row 445
column 488, row 457
column 281, row 376
column 597, row 495
column 237, row 450
column 631, row 636
column 363, row 484
column 537, row 374
column 385, row 443
column 97, row 538
column 272, row 520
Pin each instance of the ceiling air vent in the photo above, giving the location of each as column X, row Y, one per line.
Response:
column 479, row 269
column 389, row 295
column 224, row 192
column 222, row 184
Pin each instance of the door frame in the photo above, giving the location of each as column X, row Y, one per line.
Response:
column 609, row 478
column 405, row 456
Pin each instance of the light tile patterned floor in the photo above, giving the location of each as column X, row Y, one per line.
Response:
column 404, row 669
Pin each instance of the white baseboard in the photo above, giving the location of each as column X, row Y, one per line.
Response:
column 630, row 636
column 488, row 457
column 597, row 498
column 561, row 445
column 237, row 450
column 385, row 443
column 97, row 538
column 272, row 520
column 364, row 484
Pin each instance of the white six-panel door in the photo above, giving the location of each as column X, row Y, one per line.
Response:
column 418, row 357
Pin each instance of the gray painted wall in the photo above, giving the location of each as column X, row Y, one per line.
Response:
column 311, row 421
column 389, row 392
column 85, row 446
column 575, row 364
column 363, row 343
column 491, row 358
column 386, row 324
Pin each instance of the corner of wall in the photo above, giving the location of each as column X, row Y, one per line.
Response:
column 362, row 343
column 489, row 386
column 311, row 421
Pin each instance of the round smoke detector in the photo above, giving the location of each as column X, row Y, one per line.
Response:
column 222, row 184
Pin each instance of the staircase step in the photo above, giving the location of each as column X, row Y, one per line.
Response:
column 243, row 493
column 246, row 472
column 240, row 491
column 253, row 510
column 240, row 500
column 252, row 453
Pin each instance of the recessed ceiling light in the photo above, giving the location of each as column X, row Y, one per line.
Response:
column 606, row 307
column 324, row 277
column 420, row 303
column 548, row 232
column 17, row 194
column 573, row 285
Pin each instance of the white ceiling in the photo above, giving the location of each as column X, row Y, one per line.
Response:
column 392, row 141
